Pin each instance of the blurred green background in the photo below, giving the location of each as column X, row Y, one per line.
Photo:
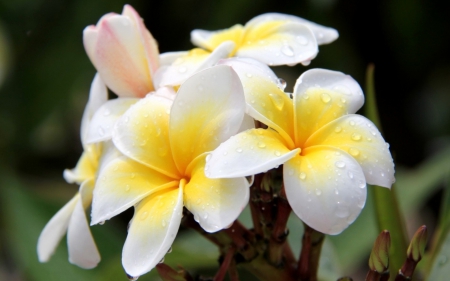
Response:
column 45, row 77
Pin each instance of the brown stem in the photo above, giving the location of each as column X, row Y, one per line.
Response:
column 374, row 275
column 280, row 232
column 225, row 264
column 242, row 238
column 232, row 271
column 308, row 264
column 407, row 270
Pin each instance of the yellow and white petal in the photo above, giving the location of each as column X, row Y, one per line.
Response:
column 264, row 96
column 248, row 153
column 210, row 40
column 149, row 43
column 82, row 249
column 102, row 123
column 279, row 43
column 166, row 59
column 86, row 167
column 166, row 92
column 325, row 187
column 117, row 52
column 98, row 95
column 359, row 137
column 215, row 203
column 323, row 34
column 55, row 229
column 321, row 96
column 195, row 61
column 152, row 231
column 142, row 133
column 247, row 123
column 122, row 183
column 208, row 109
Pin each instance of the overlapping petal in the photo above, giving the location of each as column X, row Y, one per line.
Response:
column 321, row 96
column 152, row 230
column 142, row 133
column 122, row 183
column 323, row 34
column 215, row 203
column 208, row 109
column 359, row 137
column 55, row 229
column 325, row 187
column 123, row 52
column 102, row 122
column 82, row 249
column 194, row 61
column 98, row 95
column 86, row 167
column 248, row 153
column 265, row 99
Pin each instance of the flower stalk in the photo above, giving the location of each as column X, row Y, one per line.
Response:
column 308, row 264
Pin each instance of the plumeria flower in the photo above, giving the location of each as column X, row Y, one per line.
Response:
column 328, row 152
column 164, row 146
column 124, row 53
column 72, row 218
column 274, row 39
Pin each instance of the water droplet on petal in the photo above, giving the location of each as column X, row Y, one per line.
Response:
column 261, row 145
column 277, row 153
column 277, row 100
column 362, row 184
column 101, row 223
column 339, row 164
column 338, row 129
column 352, row 123
column 302, row 40
column 325, row 97
column 350, row 175
column 144, row 215
column 287, row 50
column 131, row 278
column 127, row 187
column 101, row 131
column 106, row 112
column 239, row 150
column 302, row 176
column 353, row 151
column 249, row 75
column 163, row 223
column 182, row 69
column 356, row 137
column 208, row 157
column 318, row 192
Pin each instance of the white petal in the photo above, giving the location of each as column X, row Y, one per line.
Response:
column 331, row 80
column 247, row 124
column 248, row 153
column 168, row 58
column 359, row 137
column 208, row 109
column 325, row 187
column 55, row 230
column 102, row 123
column 122, row 183
column 184, row 67
column 287, row 43
column 215, row 203
column 98, row 95
column 323, row 34
column 152, row 231
column 82, row 249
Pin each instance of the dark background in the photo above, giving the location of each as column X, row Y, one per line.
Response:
column 45, row 77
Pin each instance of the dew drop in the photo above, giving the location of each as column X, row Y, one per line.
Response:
column 291, row 172
column 338, row 129
column 200, row 88
column 356, row 137
column 101, row 131
column 339, row 164
column 277, row 101
column 249, row 75
column 302, row 176
column 306, row 97
column 350, row 175
column 239, row 150
column 352, row 123
column 144, row 215
column 302, row 40
column 225, row 153
column 306, row 62
column 182, row 69
column 261, row 145
column 127, row 187
column 318, row 192
column 133, row 175
column 281, row 84
column 101, row 223
column 163, row 223
column 131, row 278
column 106, row 112
column 362, row 184
column 277, row 153
column 353, row 151
column 342, row 212
column 170, row 250
column 208, row 157
column 287, row 51
column 325, row 97
column 442, row 260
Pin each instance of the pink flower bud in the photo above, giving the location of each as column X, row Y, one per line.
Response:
column 124, row 52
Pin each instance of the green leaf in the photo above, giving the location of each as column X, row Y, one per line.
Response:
column 440, row 269
column 386, row 207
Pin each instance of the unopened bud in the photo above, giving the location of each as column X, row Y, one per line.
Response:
column 416, row 248
column 379, row 257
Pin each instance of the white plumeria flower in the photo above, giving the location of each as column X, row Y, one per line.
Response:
column 72, row 218
column 328, row 152
column 274, row 39
column 162, row 169
column 124, row 53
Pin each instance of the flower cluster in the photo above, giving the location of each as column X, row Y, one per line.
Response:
column 188, row 128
